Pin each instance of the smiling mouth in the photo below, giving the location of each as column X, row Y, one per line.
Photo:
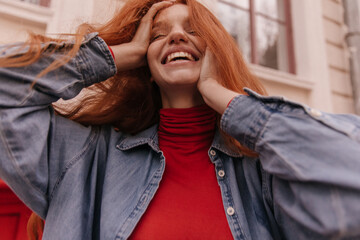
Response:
column 177, row 56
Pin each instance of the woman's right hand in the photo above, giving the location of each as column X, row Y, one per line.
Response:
column 214, row 94
column 132, row 55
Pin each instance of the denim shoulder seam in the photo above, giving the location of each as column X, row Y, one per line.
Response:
column 13, row 159
column 75, row 159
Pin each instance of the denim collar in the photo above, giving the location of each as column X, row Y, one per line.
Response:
column 150, row 137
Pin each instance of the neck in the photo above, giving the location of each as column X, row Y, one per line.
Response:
column 184, row 98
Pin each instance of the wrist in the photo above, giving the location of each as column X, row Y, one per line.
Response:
column 205, row 85
column 215, row 95
column 129, row 56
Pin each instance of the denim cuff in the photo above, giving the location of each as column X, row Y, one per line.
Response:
column 244, row 119
column 95, row 61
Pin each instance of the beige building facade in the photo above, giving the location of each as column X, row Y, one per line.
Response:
column 319, row 75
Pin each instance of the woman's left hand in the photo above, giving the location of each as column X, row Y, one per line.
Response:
column 214, row 94
column 132, row 55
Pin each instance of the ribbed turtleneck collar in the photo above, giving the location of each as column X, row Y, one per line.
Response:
column 187, row 125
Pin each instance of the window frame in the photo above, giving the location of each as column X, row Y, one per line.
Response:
column 42, row 3
column 287, row 23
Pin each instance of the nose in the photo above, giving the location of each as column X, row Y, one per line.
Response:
column 177, row 36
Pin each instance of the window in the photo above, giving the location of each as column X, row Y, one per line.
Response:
column 262, row 29
column 44, row 3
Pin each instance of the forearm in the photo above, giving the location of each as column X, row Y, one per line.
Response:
column 93, row 63
column 129, row 56
column 215, row 95
column 295, row 144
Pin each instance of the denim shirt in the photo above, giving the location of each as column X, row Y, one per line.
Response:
column 95, row 183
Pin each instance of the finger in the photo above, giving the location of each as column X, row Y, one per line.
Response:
column 143, row 32
column 155, row 8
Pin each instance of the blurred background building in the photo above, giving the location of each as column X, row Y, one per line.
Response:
column 305, row 50
column 297, row 48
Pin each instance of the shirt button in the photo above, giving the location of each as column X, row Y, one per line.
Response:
column 221, row 173
column 230, row 211
column 315, row 113
column 212, row 152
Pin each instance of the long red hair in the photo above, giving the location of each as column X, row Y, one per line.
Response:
column 129, row 100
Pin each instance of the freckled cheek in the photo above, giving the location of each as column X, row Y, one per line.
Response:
column 201, row 46
column 154, row 53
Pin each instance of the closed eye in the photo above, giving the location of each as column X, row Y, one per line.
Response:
column 189, row 29
column 157, row 36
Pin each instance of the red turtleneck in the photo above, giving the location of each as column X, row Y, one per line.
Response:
column 188, row 202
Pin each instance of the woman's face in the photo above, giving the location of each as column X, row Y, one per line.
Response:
column 175, row 52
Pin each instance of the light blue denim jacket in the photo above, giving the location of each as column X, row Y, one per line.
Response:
column 95, row 183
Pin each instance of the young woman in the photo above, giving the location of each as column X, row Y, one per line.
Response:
column 166, row 143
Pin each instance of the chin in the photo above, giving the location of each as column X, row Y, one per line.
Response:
column 180, row 81
column 181, row 77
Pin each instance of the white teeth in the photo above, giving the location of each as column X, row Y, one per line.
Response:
column 174, row 55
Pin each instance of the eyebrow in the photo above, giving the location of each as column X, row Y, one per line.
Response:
column 159, row 24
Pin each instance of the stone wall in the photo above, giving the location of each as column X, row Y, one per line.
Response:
column 337, row 55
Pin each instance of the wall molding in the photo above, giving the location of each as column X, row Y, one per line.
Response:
column 279, row 77
column 23, row 11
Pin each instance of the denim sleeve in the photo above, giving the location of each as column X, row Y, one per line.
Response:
column 36, row 145
column 313, row 159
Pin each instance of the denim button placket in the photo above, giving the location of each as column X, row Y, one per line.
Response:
column 221, row 173
column 230, row 211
